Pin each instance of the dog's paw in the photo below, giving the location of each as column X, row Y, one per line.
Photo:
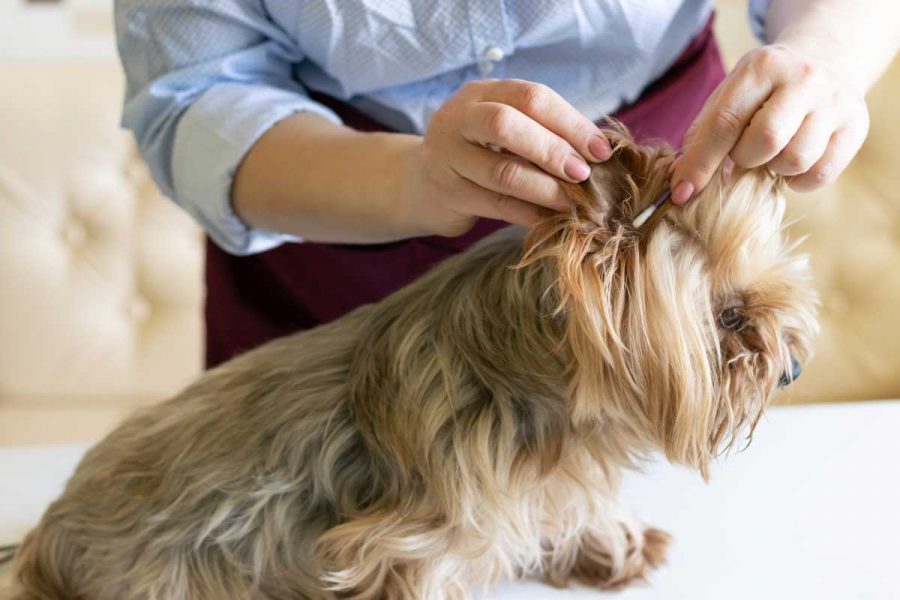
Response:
column 595, row 566
column 656, row 544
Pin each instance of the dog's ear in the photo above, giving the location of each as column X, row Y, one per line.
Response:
column 595, row 200
column 603, row 206
column 594, row 257
column 621, row 187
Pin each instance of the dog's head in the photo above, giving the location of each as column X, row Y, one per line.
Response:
column 681, row 330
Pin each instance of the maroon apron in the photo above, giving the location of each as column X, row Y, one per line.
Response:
column 253, row 299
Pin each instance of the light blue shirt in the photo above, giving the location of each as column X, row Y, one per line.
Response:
column 206, row 78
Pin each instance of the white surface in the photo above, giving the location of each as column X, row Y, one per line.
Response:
column 810, row 510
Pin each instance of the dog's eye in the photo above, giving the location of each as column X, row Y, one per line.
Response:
column 731, row 318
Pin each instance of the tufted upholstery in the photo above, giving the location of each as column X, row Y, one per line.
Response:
column 100, row 278
column 100, row 290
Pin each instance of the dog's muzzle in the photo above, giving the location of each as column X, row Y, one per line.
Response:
column 787, row 378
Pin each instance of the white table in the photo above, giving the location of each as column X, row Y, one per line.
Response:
column 810, row 510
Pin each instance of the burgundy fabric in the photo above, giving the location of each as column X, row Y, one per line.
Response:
column 253, row 299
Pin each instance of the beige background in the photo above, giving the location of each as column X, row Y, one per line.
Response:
column 100, row 293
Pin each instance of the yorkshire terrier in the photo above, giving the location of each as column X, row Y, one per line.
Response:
column 472, row 426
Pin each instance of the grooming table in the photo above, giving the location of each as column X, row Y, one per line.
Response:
column 810, row 510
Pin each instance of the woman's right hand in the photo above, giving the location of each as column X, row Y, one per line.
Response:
column 494, row 150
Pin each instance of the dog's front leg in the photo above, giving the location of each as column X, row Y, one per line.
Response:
column 610, row 552
column 387, row 555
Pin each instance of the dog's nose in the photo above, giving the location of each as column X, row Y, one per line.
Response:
column 786, row 378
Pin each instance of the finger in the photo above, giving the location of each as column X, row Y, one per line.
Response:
column 715, row 132
column 727, row 168
column 842, row 147
column 772, row 127
column 806, row 147
column 481, row 202
column 508, row 175
column 502, row 125
column 552, row 111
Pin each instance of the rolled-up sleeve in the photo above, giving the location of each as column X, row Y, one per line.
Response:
column 757, row 10
column 204, row 80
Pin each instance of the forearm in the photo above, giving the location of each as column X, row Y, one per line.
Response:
column 324, row 182
column 857, row 39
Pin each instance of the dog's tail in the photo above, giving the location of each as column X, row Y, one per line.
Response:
column 42, row 566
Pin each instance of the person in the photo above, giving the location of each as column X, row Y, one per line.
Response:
column 335, row 151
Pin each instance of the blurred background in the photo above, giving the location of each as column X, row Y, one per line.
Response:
column 100, row 276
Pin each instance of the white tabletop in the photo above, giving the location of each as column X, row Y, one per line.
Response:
column 810, row 510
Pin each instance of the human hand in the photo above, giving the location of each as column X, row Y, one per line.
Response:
column 494, row 150
column 780, row 109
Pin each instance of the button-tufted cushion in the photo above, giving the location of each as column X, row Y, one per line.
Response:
column 100, row 291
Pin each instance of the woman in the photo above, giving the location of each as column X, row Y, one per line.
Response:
column 334, row 154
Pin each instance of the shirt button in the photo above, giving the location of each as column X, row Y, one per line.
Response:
column 494, row 54
column 491, row 56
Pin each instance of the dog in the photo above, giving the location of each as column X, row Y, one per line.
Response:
column 471, row 427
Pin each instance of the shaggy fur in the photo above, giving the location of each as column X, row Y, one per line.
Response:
column 470, row 427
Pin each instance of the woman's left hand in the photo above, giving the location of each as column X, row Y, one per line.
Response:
column 780, row 109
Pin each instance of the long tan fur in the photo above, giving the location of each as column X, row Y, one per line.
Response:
column 470, row 427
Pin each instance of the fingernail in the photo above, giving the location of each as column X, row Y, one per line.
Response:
column 600, row 148
column 682, row 192
column 576, row 168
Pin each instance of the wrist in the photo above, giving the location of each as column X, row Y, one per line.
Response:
column 853, row 41
column 818, row 50
column 403, row 184
column 421, row 204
